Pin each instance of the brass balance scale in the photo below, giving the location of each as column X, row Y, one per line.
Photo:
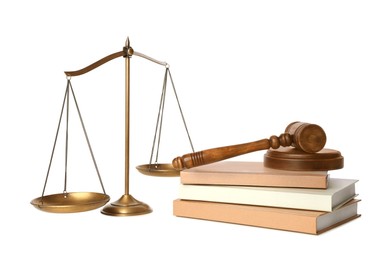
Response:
column 127, row 205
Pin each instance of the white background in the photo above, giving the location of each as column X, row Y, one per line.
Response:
column 243, row 71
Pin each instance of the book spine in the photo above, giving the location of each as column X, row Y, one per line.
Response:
column 241, row 214
column 313, row 181
column 260, row 197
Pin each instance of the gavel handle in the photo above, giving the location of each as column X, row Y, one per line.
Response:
column 221, row 153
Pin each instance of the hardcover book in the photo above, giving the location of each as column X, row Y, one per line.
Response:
column 304, row 221
column 252, row 174
column 339, row 192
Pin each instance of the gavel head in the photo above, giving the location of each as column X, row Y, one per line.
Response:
column 307, row 137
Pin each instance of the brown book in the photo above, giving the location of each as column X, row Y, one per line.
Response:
column 303, row 221
column 252, row 174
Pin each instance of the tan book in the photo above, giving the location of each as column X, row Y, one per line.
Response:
column 252, row 174
column 304, row 221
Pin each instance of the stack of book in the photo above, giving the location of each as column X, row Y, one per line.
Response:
column 248, row 193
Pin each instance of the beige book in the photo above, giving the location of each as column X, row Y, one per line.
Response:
column 252, row 174
column 304, row 221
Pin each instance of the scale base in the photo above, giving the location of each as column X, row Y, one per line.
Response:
column 126, row 206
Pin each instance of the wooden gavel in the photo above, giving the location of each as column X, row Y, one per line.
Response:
column 309, row 138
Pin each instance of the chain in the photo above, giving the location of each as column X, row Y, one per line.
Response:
column 159, row 121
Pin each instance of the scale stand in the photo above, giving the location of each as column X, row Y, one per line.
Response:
column 127, row 205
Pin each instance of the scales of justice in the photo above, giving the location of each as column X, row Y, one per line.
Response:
column 126, row 205
column 299, row 148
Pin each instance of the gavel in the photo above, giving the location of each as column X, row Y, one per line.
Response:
column 309, row 138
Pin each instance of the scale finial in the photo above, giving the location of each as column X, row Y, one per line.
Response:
column 128, row 42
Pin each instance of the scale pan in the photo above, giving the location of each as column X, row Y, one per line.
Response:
column 70, row 202
column 161, row 170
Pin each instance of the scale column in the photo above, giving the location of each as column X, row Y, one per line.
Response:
column 127, row 205
column 127, row 124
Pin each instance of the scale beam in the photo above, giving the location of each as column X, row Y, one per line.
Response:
column 127, row 51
